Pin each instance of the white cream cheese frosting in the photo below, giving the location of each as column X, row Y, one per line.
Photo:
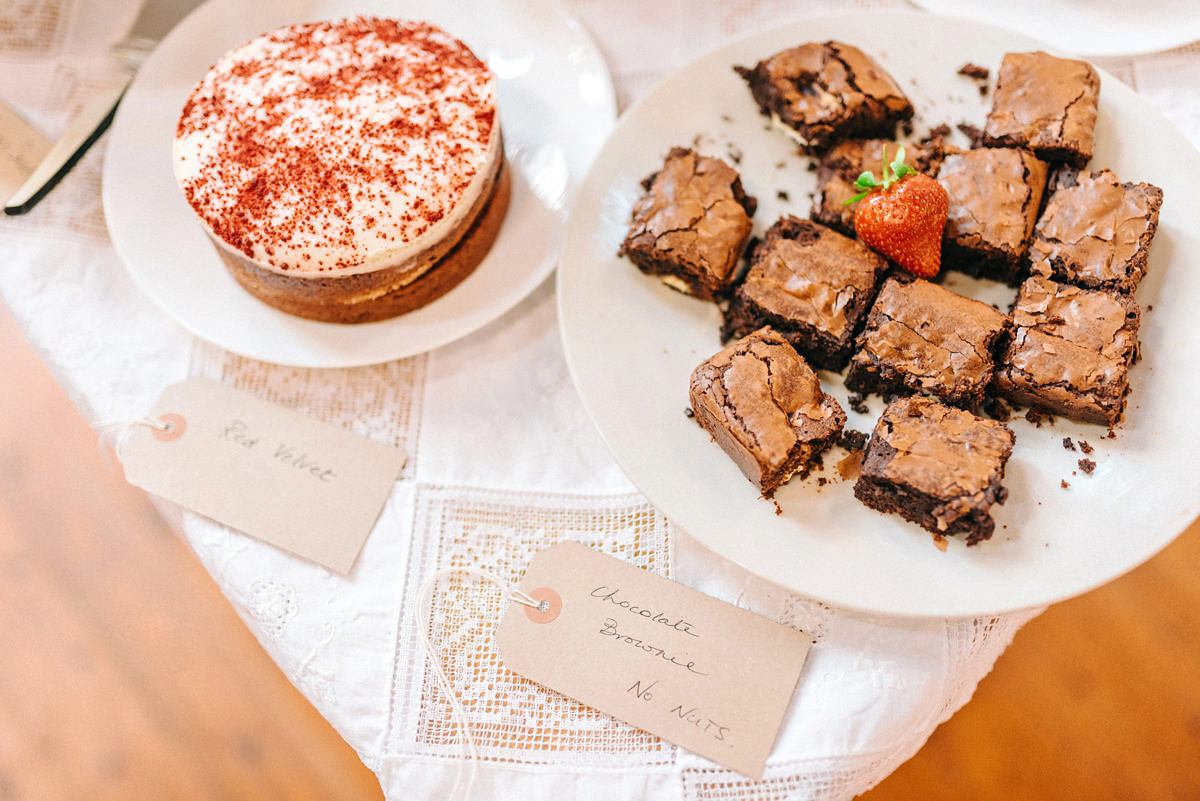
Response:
column 340, row 147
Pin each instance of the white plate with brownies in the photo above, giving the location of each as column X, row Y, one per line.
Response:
column 711, row 226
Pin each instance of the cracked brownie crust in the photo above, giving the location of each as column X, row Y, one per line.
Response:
column 1096, row 231
column 1046, row 104
column 812, row 285
column 691, row 226
column 995, row 195
column 764, row 406
column 922, row 338
column 936, row 466
column 1071, row 351
column 827, row 91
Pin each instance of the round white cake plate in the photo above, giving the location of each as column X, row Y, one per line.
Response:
column 1087, row 27
column 556, row 105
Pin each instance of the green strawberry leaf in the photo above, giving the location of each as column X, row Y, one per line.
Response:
column 899, row 168
column 865, row 180
column 864, row 184
column 893, row 171
column 888, row 175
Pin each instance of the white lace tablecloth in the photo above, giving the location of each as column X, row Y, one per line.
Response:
column 490, row 480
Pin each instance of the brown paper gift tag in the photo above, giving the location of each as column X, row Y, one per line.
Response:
column 694, row 670
column 306, row 486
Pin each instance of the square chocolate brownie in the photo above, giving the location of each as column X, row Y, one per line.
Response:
column 764, row 406
column 937, row 466
column 841, row 165
column 995, row 195
column 812, row 285
column 1071, row 350
column 1046, row 104
column 922, row 338
column 1095, row 231
column 691, row 226
column 827, row 91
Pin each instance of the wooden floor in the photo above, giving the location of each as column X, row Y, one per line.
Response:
column 125, row 675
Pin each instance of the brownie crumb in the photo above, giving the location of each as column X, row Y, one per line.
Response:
column 1038, row 416
column 1085, row 446
column 822, row 481
column 812, row 166
column 936, row 134
column 852, row 440
column 782, row 195
column 1069, row 443
column 689, row 413
column 858, row 402
column 974, row 71
column 778, row 508
column 735, row 154
column 1065, row 484
column 973, row 133
column 1087, row 466
column 983, row 89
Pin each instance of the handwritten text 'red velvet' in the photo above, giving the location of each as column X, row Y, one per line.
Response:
column 238, row 432
column 611, row 628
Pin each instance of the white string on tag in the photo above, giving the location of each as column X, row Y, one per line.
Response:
column 468, row 752
column 117, row 431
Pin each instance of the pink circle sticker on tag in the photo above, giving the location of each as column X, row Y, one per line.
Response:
column 548, row 608
column 176, row 425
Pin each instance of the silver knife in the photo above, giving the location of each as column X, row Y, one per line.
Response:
column 155, row 19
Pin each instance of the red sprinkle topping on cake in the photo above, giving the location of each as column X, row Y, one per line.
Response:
column 332, row 145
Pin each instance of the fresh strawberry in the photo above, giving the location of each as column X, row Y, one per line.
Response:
column 902, row 216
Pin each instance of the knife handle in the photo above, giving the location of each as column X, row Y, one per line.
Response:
column 80, row 134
